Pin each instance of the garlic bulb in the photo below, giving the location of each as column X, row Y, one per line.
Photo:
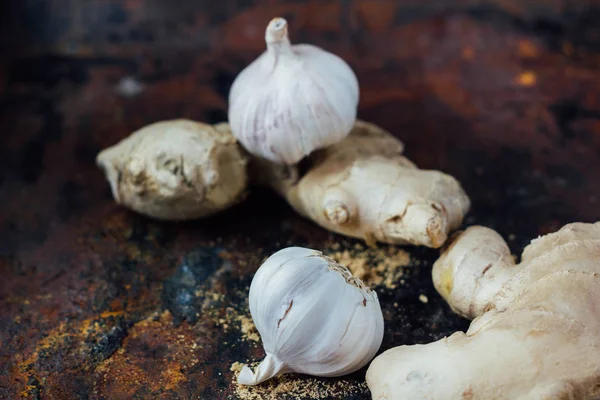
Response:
column 293, row 99
column 313, row 317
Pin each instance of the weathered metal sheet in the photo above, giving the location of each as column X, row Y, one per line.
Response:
column 97, row 302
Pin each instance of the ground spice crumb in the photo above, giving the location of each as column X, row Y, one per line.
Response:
column 236, row 367
column 288, row 387
column 248, row 328
column 423, row 298
column 380, row 266
column 223, row 323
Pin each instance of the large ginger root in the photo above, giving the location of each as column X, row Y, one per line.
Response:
column 538, row 336
column 176, row 170
column 364, row 188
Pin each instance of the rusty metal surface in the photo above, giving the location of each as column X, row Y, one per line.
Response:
column 99, row 303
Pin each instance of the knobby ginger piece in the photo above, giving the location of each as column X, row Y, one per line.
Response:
column 536, row 334
column 477, row 273
column 177, row 170
column 472, row 269
column 364, row 187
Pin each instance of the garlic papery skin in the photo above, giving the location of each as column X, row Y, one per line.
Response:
column 313, row 317
column 292, row 100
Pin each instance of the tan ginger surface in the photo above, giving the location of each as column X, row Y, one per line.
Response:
column 176, row 170
column 538, row 339
column 363, row 187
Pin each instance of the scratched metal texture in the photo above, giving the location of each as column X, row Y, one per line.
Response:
column 97, row 302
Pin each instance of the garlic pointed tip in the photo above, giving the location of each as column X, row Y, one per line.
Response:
column 276, row 30
column 277, row 24
column 267, row 369
column 246, row 376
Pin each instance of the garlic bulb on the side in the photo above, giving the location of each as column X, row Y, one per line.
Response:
column 293, row 99
column 313, row 317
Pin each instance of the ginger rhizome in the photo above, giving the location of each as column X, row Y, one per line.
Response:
column 481, row 262
column 177, row 170
column 536, row 332
column 365, row 188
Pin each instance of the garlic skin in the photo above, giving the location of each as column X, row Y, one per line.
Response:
column 292, row 100
column 313, row 317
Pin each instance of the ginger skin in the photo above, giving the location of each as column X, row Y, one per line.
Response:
column 364, row 187
column 472, row 269
column 176, row 170
column 537, row 329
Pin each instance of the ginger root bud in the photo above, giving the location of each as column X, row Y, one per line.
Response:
column 363, row 187
column 538, row 336
column 176, row 170
column 480, row 260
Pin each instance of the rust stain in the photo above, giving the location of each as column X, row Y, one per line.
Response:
column 130, row 371
column 527, row 78
column 468, row 53
column 107, row 314
column 83, row 277
column 568, row 49
column 50, row 340
column 325, row 16
column 528, row 49
column 375, row 16
column 134, row 5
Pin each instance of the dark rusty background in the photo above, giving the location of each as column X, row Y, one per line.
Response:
column 504, row 95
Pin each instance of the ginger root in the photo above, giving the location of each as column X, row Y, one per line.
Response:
column 472, row 270
column 176, row 170
column 537, row 331
column 364, row 187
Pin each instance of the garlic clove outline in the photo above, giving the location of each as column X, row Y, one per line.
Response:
column 314, row 317
column 292, row 100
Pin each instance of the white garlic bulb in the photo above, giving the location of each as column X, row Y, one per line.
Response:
column 293, row 99
column 313, row 317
